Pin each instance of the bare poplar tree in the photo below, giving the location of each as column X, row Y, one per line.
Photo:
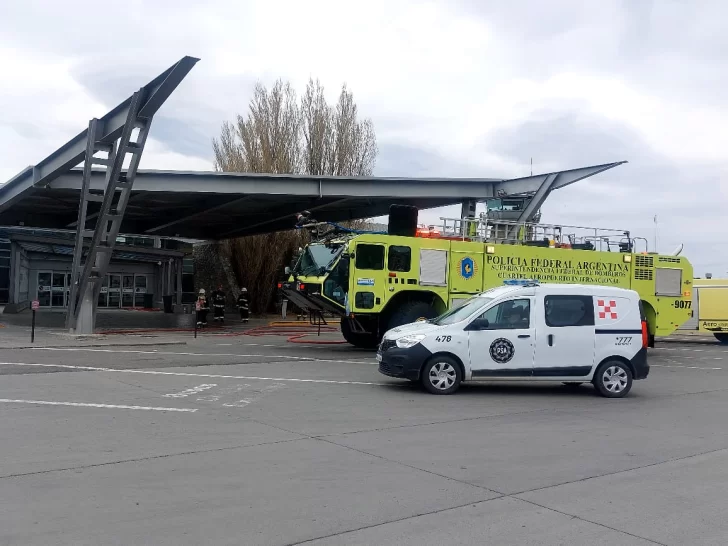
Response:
column 280, row 134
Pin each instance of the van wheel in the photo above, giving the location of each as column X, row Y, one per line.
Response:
column 721, row 337
column 613, row 379
column 441, row 375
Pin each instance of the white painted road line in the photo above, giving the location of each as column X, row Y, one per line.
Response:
column 85, row 405
column 206, row 375
column 170, row 353
column 687, row 367
column 193, row 390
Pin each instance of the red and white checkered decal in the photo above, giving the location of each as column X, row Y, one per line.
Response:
column 607, row 309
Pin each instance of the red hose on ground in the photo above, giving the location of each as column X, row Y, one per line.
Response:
column 156, row 330
column 297, row 339
column 295, row 331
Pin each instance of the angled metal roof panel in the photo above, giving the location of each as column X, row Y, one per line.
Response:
column 213, row 205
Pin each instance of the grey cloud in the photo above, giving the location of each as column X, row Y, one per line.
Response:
column 31, row 131
column 183, row 138
column 396, row 159
column 669, row 48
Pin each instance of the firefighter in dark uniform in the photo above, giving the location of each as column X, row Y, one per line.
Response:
column 218, row 304
column 204, row 308
column 243, row 304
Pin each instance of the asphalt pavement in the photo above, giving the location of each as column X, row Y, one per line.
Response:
column 255, row 440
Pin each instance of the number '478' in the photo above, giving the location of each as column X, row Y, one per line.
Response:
column 443, row 339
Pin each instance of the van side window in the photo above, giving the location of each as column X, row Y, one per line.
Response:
column 370, row 257
column 399, row 259
column 564, row 311
column 509, row 315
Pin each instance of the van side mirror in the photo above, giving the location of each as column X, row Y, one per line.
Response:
column 479, row 324
column 287, row 270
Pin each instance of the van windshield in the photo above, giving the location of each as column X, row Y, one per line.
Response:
column 461, row 313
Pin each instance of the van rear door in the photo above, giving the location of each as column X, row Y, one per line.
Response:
column 619, row 328
column 564, row 336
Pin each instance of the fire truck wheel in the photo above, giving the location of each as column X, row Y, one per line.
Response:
column 362, row 341
column 409, row 312
column 721, row 337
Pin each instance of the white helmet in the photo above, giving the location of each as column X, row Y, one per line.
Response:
column 202, row 291
column 243, row 289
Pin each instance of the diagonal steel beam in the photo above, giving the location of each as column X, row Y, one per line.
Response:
column 531, row 184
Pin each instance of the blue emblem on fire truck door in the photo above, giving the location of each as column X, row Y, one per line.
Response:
column 467, row 268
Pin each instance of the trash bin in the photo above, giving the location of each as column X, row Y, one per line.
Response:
column 148, row 301
column 167, row 304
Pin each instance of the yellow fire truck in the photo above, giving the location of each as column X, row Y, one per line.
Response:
column 376, row 281
column 710, row 308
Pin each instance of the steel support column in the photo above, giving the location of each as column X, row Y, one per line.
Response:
column 92, row 147
column 169, row 292
column 122, row 134
column 534, row 205
column 179, row 281
column 87, row 277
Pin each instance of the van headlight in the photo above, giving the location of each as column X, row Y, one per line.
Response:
column 406, row 342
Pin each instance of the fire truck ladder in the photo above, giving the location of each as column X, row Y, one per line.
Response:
column 90, row 268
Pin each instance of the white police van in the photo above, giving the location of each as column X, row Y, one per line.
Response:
column 528, row 331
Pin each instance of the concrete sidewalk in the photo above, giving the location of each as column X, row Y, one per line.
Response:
column 134, row 329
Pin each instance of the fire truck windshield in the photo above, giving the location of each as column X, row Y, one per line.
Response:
column 316, row 257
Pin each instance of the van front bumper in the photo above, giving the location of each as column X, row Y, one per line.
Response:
column 403, row 363
column 639, row 364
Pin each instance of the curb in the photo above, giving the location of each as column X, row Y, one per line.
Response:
column 96, row 345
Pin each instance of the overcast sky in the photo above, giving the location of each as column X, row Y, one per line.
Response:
column 458, row 88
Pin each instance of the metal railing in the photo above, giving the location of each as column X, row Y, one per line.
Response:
column 537, row 234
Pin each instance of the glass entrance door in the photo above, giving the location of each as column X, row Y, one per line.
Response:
column 114, row 291
column 58, row 289
column 44, row 288
column 127, row 294
column 140, row 289
column 104, row 292
column 67, row 296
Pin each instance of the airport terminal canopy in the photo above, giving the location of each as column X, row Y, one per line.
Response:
column 110, row 195
column 215, row 205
